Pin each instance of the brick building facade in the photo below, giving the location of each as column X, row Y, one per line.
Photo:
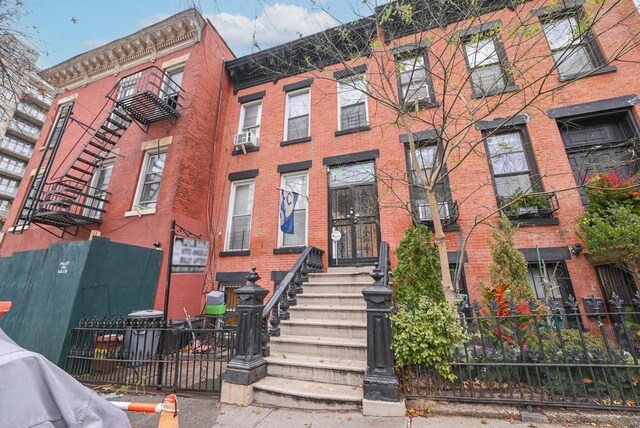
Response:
column 246, row 131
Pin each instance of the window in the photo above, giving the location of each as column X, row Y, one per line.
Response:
column 8, row 186
column 550, row 280
column 17, row 146
column 412, row 78
column 55, row 135
column 298, row 183
column 130, row 85
column 487, row 66
column 239, row 222
column 250, row 118
column 352, row 103
column 29, row 204
column 171, row 85
column 150, row 178
column 427, row 155
column 298, row 108
column 98, row 190
column 574, row 52
column 12, row 166
column 510, row 165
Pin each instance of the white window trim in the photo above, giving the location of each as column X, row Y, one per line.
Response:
column 106, row 163
column 286, row 112
column 259, row 121
column 171, row 69
column 135, row 208
column 306, row 223
column 363, row 76
column 232, row 202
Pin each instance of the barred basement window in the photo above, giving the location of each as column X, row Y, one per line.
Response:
column 352, row 103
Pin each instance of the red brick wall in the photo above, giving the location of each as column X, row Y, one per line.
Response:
column 471, row 185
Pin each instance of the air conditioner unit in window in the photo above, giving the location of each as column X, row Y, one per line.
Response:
column 245, row 139
column 424, row 212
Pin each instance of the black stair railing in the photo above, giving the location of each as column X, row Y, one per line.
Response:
column 284, row 295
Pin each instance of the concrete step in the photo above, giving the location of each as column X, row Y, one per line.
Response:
column 315, row 287
column 332, row 299
column 350, row 269
column 317, row 369
column 361, row 277
column 299, row 394
column 324, row 328
column 329, row 312
column 331, row 347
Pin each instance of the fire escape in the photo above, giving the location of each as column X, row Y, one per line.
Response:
column 70, row 201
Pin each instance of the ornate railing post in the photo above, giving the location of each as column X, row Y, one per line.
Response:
column 248, row 365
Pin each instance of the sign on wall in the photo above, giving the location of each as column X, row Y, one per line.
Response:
column 189, row 255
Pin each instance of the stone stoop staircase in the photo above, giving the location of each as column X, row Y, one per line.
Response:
column 319, row 360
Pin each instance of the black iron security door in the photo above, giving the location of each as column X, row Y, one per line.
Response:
column 354, row 216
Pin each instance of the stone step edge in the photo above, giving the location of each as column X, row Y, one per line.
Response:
column 298, row 393
column 314, row 340
column 329, row 308
column 292, row 361
column 324, row 323
column 358, row 295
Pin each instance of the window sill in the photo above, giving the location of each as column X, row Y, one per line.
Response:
column 422, row 104
column 601, row 70
column 14, row 228
column 235, row 253
column 288, row 250
column 510, row 88
column 550, row 221
column 134, row 213
column 352, row 130
column 237, row 151
column 295, row 141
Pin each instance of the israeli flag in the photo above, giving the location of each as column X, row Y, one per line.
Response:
column 287, row 206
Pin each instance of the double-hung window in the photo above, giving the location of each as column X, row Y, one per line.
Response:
column 426, row 155
column 240, row 212
column 574, row 49
column 297, row 115
column 171, row 85
column 486, row 64
column 296, row 182
column 413, row 81
column 352, row 102
column 98, row 191
column 8, row 186
column 250, row 118
column 150, row 178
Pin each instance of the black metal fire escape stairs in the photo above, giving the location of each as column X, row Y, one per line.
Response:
column 70, row 201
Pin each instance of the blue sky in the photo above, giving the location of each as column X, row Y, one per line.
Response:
column 51, row 30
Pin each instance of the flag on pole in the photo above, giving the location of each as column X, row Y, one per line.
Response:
column 287, row 206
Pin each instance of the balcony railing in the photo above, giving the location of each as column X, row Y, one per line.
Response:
column 537, row 205
column 15, row 146
column 13, row 168
column 448, row 213
column 32, row 112
column 22, row 128
column 149, row 95
column 68, row 202
column 8, row 190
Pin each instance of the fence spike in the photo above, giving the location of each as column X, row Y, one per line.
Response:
column 617, row 301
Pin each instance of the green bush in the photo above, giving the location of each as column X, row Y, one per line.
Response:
column 417, row 273
column 425, row 334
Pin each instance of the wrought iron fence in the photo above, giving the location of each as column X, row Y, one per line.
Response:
column 526, row 354
column 150, row 353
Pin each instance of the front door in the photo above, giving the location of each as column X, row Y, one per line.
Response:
column 354, row 232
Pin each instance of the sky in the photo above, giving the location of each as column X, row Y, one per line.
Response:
column 50, row 26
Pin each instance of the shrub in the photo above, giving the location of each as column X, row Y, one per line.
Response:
column 417, row 273
column 425, row 334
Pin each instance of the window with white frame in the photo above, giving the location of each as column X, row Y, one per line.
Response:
column 171, row 85
column 239, row 220
column 250, row 118
column 297, row 115
column 426, row 155
column 150, row 178
column 9, row 186
column 98, row 191
column 296, row 182
column 352, row 102
column 488, row 74
column 574, row 50
column 412, row 78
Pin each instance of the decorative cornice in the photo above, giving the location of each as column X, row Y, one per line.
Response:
column 172, row 34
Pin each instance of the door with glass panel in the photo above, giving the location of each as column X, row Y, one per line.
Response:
column 354, row 226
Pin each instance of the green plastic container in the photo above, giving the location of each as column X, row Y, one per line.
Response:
column 215, row 309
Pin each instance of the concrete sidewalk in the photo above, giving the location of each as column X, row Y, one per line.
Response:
column 196, row 412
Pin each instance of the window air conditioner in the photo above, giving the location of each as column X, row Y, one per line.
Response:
column 244, row 139
column 424, row 212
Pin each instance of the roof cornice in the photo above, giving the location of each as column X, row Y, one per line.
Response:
column 172, row 34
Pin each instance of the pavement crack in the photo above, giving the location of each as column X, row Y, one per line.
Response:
column 263, row 418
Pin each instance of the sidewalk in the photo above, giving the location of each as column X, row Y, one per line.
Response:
column 196, row 412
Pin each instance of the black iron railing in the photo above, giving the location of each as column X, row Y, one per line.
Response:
column 150, row 353
column 284, row 295
column 64, row 199
column 525, row 354
column 447, row 213
column 538, row 205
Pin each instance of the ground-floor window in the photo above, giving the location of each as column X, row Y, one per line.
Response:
column 550, row 281
column 292, row 230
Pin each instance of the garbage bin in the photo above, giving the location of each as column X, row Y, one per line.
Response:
column 140, row 342
column 106, row 353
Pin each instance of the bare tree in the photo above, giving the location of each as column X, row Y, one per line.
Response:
column 423, row 56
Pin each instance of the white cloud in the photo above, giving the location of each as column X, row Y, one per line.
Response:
column 151, row 19
column 276, row 24
column 92, row 44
